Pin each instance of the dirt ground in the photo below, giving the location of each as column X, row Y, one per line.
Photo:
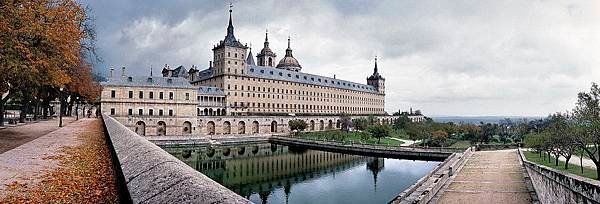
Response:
column 68, row 165
column 15, row 136
column 489, row 177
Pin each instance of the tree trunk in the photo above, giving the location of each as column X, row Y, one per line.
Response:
column 1, row 112
column 597, row 172
column 23, row 112
column 567, row 161
column 556, row 159
column 581, row 162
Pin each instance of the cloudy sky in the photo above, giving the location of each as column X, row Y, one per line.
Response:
column 484, row 57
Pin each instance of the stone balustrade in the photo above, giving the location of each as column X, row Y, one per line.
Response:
column 152, row 175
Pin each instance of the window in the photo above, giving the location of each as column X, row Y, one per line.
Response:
column 140, row 111
column 187, row 96
column 170, row 95
column 130, row 112
column 141, row 94
column 151, row 95
column 112, row 111
column 160, row 95
column 151, row 112
column 113, row 93
column 170, row 112
column 130, row 94
column 160, row 112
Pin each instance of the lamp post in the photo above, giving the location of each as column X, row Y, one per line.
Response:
column 61, row 107
column 77, row 108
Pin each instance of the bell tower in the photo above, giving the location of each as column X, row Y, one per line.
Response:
column 377, row 80
column 266, row 57
column 229, row 55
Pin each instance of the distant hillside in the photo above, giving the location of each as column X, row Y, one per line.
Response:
column 478, row 119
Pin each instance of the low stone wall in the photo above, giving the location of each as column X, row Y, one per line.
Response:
column 553, row 186
column 429, row 185
column 154, row 176
column 484, row 147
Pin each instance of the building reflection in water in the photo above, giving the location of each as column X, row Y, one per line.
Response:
column 262, row 168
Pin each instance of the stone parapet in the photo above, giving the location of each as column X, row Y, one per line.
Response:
column 152, row 175
column 553, row 186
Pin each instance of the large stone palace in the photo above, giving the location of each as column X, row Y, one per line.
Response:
column 236, row 95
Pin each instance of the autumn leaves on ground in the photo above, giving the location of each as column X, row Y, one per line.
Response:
column 84, row 175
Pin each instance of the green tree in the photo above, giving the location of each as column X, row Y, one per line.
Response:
column 418, row 131
column 402, row 122
column 360, row 123
column 345, row 122
column 297, row 126
column 379, row 131
column 587, row 113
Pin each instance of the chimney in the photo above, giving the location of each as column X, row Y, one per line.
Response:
column 111, row 72
column 209, row 64
column 122, row 71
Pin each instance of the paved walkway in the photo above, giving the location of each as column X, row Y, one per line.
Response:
column 488, row 177
column 15, row 136
column 406, row 142
column 26, row 163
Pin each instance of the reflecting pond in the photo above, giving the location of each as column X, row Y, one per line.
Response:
column 270, row 173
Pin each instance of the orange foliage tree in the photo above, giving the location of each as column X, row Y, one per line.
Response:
column 40, row 47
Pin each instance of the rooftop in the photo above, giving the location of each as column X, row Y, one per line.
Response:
column 149, row 81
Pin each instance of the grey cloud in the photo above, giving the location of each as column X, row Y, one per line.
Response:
column 447, row 58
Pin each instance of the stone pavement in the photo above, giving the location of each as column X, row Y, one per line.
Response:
column 15, row 136
column 25, row 163
column 488, row 177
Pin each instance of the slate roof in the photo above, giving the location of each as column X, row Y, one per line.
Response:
column 147, row 81
column 292, row 76
column 250, row 59
column 210, row 90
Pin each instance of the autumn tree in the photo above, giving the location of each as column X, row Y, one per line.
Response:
column 40, row 41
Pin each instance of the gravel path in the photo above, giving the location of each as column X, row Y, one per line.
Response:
column 15, row 136
column 26, row 163
column 488, row 177
column 406, row 142
column 575, row 161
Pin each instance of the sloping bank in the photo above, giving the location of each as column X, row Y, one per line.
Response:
column 553, row 186
column 152, row 175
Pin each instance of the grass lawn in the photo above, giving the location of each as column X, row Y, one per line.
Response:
column 574, row 169
column 347, row 137
column 401, row 134
column 461, row 144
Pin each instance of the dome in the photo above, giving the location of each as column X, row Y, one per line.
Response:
column 289, row 62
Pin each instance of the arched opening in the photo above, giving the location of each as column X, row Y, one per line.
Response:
column 330, row 125
column 206, row 111
column 140, row 128
column 210, row 111
column 161, row 128
column 210, row 128
column 241, row 127
column 255, row 127
column 338, row 124
column 218, row 111
column 312, row 125
column 223, row 112
column 274, row 126
column 321, row 125
column 187, row 127
column 226, row 128
column 270, row 62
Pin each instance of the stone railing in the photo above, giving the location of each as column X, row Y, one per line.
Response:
column 553, row 186
column 429, row 185
column 377, row 146
column 152, row 175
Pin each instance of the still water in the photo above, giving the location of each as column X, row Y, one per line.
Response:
column 269, row 173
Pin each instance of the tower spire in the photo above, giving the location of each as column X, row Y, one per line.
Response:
column 230, row 35
column 267, row 38
column 288, row 51
column 375, row 71
column 150, row 70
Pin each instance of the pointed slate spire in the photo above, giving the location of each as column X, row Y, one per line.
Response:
column 288, row 51
column 230, row 37
column 267, row 38
column 250, row 59
column 375, row 71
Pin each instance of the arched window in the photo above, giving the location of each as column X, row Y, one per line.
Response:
column 161, row 128
column 187, row 127
column 140, row 128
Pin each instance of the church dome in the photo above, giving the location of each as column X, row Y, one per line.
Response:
column 289, row 62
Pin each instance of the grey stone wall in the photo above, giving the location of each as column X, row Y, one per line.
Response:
column 154, row 176
column 553, row 186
